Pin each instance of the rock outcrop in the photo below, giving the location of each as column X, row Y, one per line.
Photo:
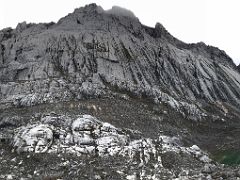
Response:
column 87, row 136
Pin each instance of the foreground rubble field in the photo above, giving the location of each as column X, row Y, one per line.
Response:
column 91, row 140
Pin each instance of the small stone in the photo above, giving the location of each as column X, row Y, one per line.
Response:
column 209, row 177
column 29, row 176
column 9, row 177
column 165, row 112
column 14, row 159
column 209, row 168
column 97, row 177
column 20, row 162
column 238, row 173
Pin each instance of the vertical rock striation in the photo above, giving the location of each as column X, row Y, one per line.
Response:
column 92, row 52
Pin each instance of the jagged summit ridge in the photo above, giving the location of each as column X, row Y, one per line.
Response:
column 92, row 50
column 95, row 17
column 115, row 11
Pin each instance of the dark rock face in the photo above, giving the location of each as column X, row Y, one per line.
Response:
column 238, row 68
column 97, row 54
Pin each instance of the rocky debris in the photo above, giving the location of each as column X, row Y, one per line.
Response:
column 60, row 92
column 238, row 68
column 34, row 138
column 85, row 135
column 64, row 138
column 173, row 144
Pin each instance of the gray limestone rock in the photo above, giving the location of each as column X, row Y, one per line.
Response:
column 90, row 51
column 94, row 54
column 88, row 135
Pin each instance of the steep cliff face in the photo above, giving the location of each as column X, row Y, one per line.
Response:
column 91, row 50
column 91, row 46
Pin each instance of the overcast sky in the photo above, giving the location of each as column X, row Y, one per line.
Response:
column 215, row 22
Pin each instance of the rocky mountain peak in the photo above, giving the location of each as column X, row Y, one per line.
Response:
column 160, row 29
column 98, row 84
column 21, row 27
column 93, row 16
column 89, row 9
column 115, row 11
column 113, row 47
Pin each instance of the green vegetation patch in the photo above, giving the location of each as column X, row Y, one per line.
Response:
column 228, row 157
